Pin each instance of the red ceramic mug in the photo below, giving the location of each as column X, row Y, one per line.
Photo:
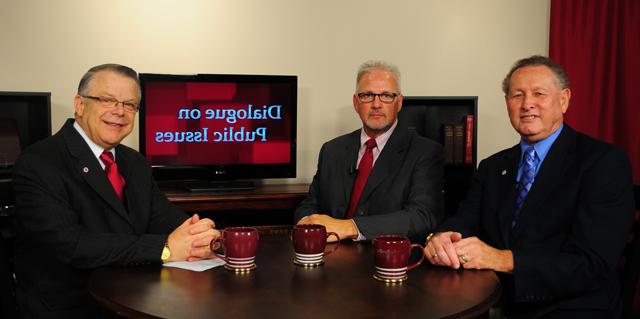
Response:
column 309, row 242
column 391, row 256
column 239, row 245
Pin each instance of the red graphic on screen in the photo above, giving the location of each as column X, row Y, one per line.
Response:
column 177, row 131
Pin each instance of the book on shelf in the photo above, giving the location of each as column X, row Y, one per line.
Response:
column 468, row 140
column 458, row 142
column 447, row 135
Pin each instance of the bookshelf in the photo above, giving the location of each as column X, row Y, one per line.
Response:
column 429, row 115
column 25, row 118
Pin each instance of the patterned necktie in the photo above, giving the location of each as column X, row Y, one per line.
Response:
column 111, row 168
column 526, row 180
column 364, row 169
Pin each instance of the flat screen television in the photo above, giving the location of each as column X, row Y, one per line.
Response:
column 205, row 130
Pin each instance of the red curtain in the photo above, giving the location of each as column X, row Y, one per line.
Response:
column 598, row 43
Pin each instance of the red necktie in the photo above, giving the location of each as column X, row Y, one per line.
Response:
column 364, row 169
column 111, row 168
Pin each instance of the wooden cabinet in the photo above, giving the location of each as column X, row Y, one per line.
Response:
column 427, row 115
column 264, row 205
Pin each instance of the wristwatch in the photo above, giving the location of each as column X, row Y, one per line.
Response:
column 166, row 253
column 428, row 239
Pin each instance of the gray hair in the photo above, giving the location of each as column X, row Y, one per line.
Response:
column 378, row 65
column 562, row 80
column 84, row 86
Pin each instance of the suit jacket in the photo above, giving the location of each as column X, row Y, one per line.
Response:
column 571, row 231
column 70, row 221
column 403, row 194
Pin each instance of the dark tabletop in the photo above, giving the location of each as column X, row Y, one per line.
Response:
column 342, row 288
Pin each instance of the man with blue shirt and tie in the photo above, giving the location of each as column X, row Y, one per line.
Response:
column 551, row 215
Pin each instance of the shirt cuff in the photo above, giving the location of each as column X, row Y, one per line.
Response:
column 360, row 236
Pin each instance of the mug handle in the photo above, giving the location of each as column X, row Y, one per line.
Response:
column 327, row 252
column 414, row 265
column 212, row 245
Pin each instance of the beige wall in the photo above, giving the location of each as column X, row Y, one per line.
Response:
column 443, row 47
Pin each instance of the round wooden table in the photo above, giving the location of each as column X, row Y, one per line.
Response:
column 341, row 288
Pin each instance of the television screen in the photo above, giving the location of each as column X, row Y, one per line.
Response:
column 219, row 127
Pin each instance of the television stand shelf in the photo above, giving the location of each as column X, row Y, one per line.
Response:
column 271, row 204
column 218, row 187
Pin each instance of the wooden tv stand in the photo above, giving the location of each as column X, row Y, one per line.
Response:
column 271, row 204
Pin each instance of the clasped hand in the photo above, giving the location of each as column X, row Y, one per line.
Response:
column 449, row 249
column 345, row 228
column 191, row 240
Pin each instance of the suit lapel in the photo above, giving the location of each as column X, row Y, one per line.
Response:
column 126, row 168
column 507, row 170
column 349, row 164
column 386, row 164
column 90, row 170
column 554, row 166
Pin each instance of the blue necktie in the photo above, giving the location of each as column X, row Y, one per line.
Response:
column 526, row 180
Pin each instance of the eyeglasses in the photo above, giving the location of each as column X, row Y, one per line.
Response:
column 385, row 97
column 109, row 102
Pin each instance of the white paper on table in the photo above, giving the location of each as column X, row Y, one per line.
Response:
column 200, row 265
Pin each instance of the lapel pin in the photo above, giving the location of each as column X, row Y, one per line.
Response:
column 504, row 172
column 85, row 169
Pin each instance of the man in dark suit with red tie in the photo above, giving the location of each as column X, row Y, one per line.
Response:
column 84, row 201
column 381, row 179
column 551, row 215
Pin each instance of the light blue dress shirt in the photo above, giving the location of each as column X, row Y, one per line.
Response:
column 542, row 149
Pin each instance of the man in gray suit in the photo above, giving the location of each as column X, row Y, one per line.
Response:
column 380, row 179
column 85, row 201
